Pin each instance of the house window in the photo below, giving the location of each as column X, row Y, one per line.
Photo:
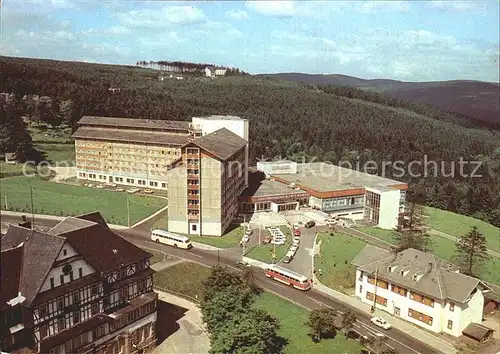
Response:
column 94, row 289
column 43, row 331
column 80, row 272
column 360, row 289
column 42, row 310
column 65, row 252
column 60, row 303
column 450, row 324
column 71, row 276
column 51, row 283
column 60, row 324
column 94, row 308
column 452, row 306
column 76, row 296
column 76, row 317
column 163, row 185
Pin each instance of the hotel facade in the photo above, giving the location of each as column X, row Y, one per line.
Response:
column 77, row 288
column 419, row 288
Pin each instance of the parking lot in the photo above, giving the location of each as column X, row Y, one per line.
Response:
column 302, row 262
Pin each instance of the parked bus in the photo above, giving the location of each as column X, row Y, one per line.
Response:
column 171, row 239
column 288, row 277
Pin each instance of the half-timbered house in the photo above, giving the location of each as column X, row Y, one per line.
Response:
column 77, row 288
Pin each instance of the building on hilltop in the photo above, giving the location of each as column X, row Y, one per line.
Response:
column 77, row 288
column 338, row 191
column 420, row 288
column 214, row 71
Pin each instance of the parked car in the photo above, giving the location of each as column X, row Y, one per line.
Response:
column 245, row 238
column 296, row 240
column 296, row 232
column 296, row 225
column 380, row 322
column 330, row 221
column 267, row 240
column 310, row 224
column 148, row 191
column 248, row 232
column 294, row 248
column 288, row 258
column 241, row 264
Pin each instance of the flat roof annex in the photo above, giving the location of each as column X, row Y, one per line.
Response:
column 323, row 177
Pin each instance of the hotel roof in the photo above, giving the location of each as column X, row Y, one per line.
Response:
column 323, row 177
column 223, row 143
column 259, row 186
column 150, row 124
column 118, row 135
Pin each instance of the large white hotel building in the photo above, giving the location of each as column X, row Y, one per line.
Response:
column 203, row 166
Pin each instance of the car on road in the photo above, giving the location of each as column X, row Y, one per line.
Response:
column 310, row 224
column 296, row 232
column 242, row 264
column 380, row 322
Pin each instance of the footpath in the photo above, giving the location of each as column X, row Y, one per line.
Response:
column 190, row 337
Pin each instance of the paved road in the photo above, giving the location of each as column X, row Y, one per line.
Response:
column 309, row 300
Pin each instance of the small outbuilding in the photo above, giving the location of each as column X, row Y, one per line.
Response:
column 478, row 332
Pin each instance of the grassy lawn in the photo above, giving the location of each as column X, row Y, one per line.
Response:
column 264, row 253
column 184, row 278
column 385, row 235
column 62, row 199
column 292, row 319
column 458, row 225
column 50, row 135
column 9, row 168
column 157, row 255
column 334, row 260
column 58, row 152
column 444, row 248
column 228, row 240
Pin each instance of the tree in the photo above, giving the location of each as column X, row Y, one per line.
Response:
column 251, row 332
column 379, row 345
column 222, row 307
column 348, row 320
column 322, row 324
column 220, row 278
column 471, row 251
column 412, row 239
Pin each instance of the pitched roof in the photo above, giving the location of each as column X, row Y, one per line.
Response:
column 151, row 124
column 146, row 137
column 70, row 224
column 104, row 250
column 223, row 143
column 40, row 252
column 419, row 271
column 10, row 274
column 93, row 216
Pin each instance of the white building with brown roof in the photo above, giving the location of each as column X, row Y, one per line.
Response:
column 76, row 288
column 420, row 288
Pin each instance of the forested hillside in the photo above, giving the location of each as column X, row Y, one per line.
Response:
column 474, row 100
column 286, row 119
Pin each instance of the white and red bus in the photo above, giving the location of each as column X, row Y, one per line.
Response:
column 288, row 277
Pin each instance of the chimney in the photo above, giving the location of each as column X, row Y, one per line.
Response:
column 429, row 269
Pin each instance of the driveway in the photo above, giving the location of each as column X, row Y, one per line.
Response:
column 302, row 262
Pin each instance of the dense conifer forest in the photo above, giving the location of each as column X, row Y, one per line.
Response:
column 289, row 120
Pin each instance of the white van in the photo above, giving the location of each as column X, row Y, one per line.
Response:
column 171, row 239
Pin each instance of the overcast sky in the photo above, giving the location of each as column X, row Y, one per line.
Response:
column 411, row 41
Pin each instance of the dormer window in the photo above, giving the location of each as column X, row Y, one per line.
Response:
column 414, row 277
column 401, row 273
column 65, row 252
